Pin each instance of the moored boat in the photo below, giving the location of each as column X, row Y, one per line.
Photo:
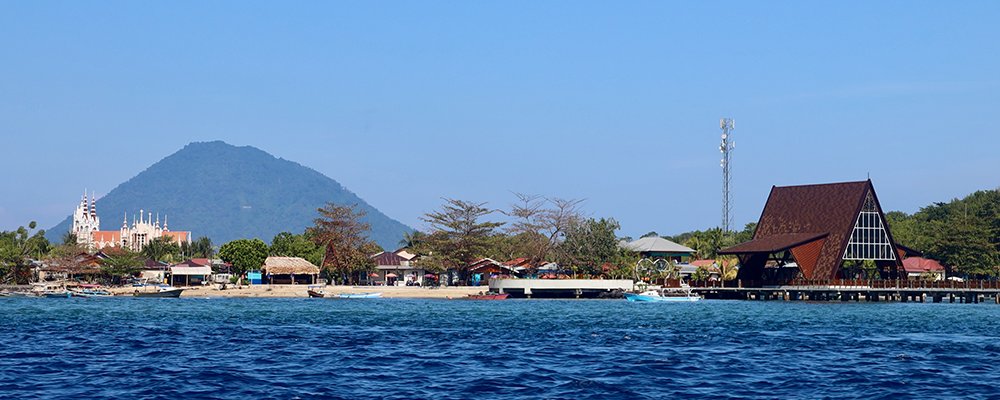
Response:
column 57, row 295
column 90, row 293
column 359, row 295
column 161, row 291
column 488, row 296
column 315, row 294
column 677, row 295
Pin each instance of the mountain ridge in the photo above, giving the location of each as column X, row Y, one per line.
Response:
column 228, row 192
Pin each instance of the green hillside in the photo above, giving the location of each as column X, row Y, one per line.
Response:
column 226, row 192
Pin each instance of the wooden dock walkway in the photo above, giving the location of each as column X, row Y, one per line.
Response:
column 970, row 292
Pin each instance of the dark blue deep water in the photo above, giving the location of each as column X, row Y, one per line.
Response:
column 515, row 349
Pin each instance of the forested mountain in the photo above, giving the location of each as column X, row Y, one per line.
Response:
column 226, row 192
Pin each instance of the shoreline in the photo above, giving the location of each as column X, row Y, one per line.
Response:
column 299, row 291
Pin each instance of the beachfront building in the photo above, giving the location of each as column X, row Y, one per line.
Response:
column 290, row 270
column 87, row 228
column 818, row 232
column 191, row 272
column 923, row 268
column 397, row 269
column 82, row 266
column 484, row 269
column 658, row 248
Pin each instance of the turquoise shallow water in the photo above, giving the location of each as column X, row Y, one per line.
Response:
column 571, row 349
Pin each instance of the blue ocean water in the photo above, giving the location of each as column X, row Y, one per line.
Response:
column 513, row 349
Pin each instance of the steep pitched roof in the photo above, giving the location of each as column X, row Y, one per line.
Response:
column 773, row 243
column 387, row 258
column 795, row 215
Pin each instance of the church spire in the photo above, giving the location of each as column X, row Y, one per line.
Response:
column 125, row 220
column 165, row 222
column 93, row 205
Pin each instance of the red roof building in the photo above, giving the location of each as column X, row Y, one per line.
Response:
column 920, row 265
column 817, row 227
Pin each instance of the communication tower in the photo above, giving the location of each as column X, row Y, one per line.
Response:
column 727, row 125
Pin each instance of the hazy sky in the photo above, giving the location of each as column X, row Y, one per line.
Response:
column 407, row 102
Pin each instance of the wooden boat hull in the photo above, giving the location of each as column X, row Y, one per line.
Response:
column 161, row 294
column 314, row 294
column 65, row 295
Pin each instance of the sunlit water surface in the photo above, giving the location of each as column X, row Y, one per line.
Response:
column 513, row 349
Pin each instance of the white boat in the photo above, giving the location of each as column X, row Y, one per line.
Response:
column 159, row 291
column 359, row 295
column 90, row 293
column 663, row 295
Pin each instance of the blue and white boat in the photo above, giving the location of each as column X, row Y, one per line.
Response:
column 360, row 295
column 663, row 295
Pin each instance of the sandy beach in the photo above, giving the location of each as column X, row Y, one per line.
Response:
column 291, row 291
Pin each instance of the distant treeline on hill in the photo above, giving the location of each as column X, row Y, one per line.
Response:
column 963, row 234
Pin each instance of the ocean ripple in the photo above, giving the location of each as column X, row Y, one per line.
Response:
column 517, row 349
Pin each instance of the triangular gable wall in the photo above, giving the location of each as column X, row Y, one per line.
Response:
column 870, row 238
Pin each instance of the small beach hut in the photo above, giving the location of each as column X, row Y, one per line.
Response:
column 185, row 275
column 290, row 270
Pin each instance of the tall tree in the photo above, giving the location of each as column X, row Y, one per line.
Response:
column 244, row 255
column 121, row 262
column 161, row 249
column 342, row 233
column 202, row 248
column 17, row 249
column 541, row 223
column 589, row 244
column 286, row 244
column 69, row 239
column 459, row 235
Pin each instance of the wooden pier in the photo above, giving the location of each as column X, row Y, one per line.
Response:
column 970, row 292
column 564, row 288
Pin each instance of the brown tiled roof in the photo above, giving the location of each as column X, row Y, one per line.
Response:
column 387, row 258
column 773, row 243
column 797, row 212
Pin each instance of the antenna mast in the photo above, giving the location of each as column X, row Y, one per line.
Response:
column 727, row 125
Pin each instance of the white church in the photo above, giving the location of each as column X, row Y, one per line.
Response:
column 87, row 228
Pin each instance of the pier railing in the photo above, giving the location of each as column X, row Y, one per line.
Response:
column 855, row 283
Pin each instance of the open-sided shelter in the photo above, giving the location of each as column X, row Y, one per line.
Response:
column 817, row 228
column 290, row 270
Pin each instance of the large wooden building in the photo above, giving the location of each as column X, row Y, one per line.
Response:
column 818, row 232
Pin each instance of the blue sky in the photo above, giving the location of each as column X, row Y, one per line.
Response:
column 408, row 102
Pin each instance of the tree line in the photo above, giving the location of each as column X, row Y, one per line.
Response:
column 963, row 234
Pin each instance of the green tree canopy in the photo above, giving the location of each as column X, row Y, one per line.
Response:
column 162, row 249
column 286, row 244
column 17, row 249
column 244, row 255
column 459, row 235
column 342, row 234
column 589, row 244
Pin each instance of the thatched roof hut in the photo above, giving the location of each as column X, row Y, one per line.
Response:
column 289, row 265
